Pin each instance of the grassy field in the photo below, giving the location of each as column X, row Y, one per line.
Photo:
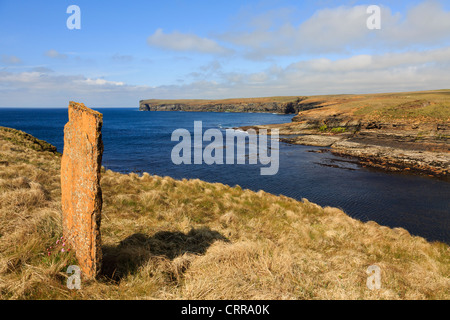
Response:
column 421, row 106
column 170, row 239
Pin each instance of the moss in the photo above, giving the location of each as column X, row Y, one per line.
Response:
column 338, row 130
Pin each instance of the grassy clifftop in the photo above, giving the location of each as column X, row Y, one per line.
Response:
column 420, row 106
column 404, row 106
column 171, row 239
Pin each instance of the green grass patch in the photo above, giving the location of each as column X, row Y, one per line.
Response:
column 338, row 130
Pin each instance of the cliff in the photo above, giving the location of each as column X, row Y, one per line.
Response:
column 283, row 105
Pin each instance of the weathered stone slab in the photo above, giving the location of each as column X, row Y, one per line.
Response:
column 81, row 197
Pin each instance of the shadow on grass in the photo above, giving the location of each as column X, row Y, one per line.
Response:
column 137, row 249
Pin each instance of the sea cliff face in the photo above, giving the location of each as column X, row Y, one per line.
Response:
column 287, row 105
column 215, row 107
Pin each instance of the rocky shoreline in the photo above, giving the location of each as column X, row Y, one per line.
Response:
column 412, row 148
column 403, row 132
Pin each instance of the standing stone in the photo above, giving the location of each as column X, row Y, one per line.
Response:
column 81, row 198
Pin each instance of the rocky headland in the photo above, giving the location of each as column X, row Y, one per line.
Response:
column 406, row 132
column 282, row 105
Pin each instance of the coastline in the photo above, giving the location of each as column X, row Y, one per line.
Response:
column 225, row 159
column 324, row 179
column 188, row 239
column 401, row 132
column 390, row 150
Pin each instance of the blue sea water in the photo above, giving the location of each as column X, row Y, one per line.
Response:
column 141, row 142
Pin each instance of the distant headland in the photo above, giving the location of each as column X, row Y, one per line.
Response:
column 282, row 105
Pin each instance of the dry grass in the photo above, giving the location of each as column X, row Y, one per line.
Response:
column 169, row 239
column 422, row 106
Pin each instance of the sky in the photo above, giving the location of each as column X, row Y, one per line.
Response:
column 125, row 51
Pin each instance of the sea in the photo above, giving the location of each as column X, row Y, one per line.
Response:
column 141, row 141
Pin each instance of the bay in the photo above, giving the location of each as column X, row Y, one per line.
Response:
column 141, row 142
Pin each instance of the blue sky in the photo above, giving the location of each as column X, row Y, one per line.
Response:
column 131, row 50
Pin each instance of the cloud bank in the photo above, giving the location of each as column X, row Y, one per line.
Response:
column 330, row 30
column 387, row 72
column 269, row 54
column 177, row 41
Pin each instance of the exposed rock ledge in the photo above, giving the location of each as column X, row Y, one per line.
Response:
column 394, row 159
column 420, row 148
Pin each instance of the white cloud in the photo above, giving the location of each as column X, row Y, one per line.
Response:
column 42, row 89
column 185, row 42
column 102, row 82
column 387, row 61
column 342, row 30
column 359, row 62
column 10, row 60
column 41, row 69
column 260, row 77
column 328, row 30
column 122, row 57
column 389, row 72
column 332, row 30
column 425, row 24
column 55, row 54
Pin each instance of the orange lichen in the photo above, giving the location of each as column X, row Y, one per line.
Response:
column 80, row 185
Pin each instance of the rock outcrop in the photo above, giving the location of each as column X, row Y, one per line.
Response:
column 81, row 198
column 394, row 158
column 392, row 146
column 270, row 105
column 273, row 107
